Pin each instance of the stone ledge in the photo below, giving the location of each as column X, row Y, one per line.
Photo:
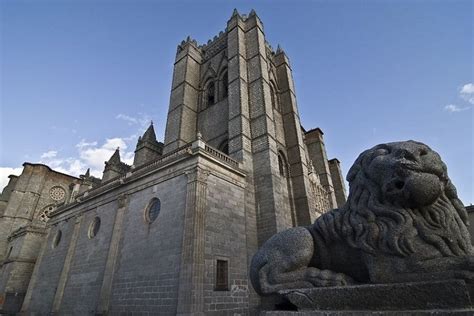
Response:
column 420, row 296
column 434, row 312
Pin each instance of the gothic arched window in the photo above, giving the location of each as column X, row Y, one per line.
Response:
column 282, row 166
column 211, row 93
column 274, row 98
column 224, row 85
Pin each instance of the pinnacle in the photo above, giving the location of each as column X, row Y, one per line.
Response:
column 88, row 173
column 115, row 159
column 252, row 13
column 279, row 49
column 149, row 134
column 235, row 13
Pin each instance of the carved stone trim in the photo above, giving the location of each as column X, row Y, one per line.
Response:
column 122, row 200
column 197, row 174
column 25, row 230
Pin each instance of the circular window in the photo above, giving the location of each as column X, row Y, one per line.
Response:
column 153, row 210
column 57, row 193
column 94, row 227
column 57, row 239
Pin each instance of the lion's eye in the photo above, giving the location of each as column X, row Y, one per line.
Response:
column 382, row 151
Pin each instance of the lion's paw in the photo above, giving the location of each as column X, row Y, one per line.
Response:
column 325, row 278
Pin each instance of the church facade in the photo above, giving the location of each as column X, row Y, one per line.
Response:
column 175, row 232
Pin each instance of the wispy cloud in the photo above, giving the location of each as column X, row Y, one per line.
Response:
column 49, row 154
column 142, row 120
column 454, row 108
column 468, row 88
column 467, row 92
column 90, row 154
column 83, row 143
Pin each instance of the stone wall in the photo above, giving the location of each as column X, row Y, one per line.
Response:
column 48, row 269
column 146, row 277
column 225, row 240
column 82, row 289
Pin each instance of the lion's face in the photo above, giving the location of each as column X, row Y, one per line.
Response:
column 408, row 174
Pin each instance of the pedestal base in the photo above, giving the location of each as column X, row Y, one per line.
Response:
column 438, row 297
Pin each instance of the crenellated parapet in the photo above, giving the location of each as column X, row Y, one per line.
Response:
column 214, row 46
column 186, row 42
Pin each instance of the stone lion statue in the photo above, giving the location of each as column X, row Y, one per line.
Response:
column 402, row 222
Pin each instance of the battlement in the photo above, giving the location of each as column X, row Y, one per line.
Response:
column 212, row 47
column 215, row 45
column 219, row 42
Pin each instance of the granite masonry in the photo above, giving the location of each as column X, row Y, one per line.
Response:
column 175, row 232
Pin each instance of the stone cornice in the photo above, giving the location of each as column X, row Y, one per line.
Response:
column 25, row 230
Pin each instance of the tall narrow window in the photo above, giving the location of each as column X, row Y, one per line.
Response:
column 282, row 166
column 222, row 272
column 211, row 93
column 56, row 239
column 274, row 98
column 224, row 85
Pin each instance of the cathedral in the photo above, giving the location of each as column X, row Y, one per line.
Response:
column 174, row 233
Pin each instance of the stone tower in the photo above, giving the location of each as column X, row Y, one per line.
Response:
column 239, row 94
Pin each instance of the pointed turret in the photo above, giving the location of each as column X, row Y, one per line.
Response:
column 149, row 134
column 88, row 173
column 115, row 159
column 148, row 148
column 114, row 167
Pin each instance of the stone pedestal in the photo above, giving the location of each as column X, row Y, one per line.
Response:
column 451, row 297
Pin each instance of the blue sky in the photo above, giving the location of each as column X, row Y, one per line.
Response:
column 79, row 78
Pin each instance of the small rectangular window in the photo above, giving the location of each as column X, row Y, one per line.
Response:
column 222, row 272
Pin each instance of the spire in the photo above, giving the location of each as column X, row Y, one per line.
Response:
column 149, row 135
column 88, row 173
column 115, row 159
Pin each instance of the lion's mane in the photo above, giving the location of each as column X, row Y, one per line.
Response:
column 368, row 223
